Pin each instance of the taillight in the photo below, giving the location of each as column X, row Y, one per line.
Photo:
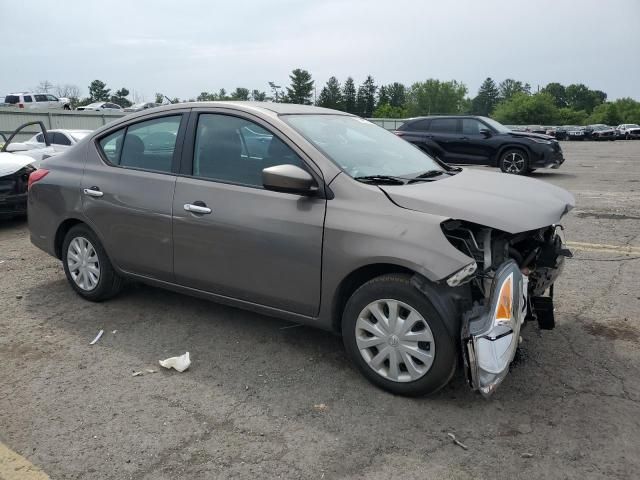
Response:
column 21, row 105
column 39, row 174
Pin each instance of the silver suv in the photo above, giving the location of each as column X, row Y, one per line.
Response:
column 315, row 216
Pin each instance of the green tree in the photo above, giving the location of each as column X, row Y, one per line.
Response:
column 120, row 98
column 558, row 92
column 629, row 110
column 366, row 97
column 397, row 93
column 159, row 98
column 579, row 97
column 383, row 96
column 349, row 96
column 258, row 96
column 509, row 87
column 206, row 97
column 388, row 111
column 331, row 95
column 98, row 91
column 301, row 89
column 487, row 98
column 525, row 109
column 222, row 95
column 240, row 94
column 568, row 116
column 607, row 113
column 434, row 96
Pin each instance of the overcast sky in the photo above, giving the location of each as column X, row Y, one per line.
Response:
column 182, row 48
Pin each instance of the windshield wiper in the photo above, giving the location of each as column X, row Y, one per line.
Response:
column 430, row 174
column 384, row 179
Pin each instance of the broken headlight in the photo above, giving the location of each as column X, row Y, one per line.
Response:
column 462, row 275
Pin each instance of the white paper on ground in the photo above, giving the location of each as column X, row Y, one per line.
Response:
column 180, row 363
column 93, row 342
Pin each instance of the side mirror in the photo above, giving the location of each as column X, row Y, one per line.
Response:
column 288, row 179
column 485, row 132
column 17, row 147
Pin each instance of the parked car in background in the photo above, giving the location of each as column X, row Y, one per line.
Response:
column 481, row 141
column 561, row 132
column 34, row 101
column 628, row 131
column 98, row 106
column 422, row 267
column 141, row 106
column 60, row 140
column 536, row 129
column 575, row 132
column 600, row 132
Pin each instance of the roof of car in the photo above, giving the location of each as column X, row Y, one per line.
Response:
column 278, row 108
column 430, row 117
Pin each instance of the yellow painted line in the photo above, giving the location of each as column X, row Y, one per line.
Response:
column 599, row 247
column 14, row 466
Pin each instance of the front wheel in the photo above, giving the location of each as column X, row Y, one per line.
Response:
column 514, row 161
column 66, row 107
column 396, row 337
column 87, row 265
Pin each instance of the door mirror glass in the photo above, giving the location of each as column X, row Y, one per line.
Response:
column 17, row 147
column 485, row 132
column 288, row 179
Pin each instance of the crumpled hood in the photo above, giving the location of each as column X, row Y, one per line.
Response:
column 507, row 202
column 12, row 162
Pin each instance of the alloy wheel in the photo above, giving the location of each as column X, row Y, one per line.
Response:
column 395, row 340
column 513, row 162
column 83, row 263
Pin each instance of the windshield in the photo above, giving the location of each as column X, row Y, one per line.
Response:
column 496, row 125
column 361, row 148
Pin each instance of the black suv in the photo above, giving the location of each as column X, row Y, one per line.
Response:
column 482, row 141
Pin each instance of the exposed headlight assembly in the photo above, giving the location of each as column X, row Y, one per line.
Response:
column 540, row 140
column 493, row 332
column 463, row 275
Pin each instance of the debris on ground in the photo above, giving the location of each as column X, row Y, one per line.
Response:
column 320, row 407
column 137, row 374
column 93, row 342
column 180, row 363
column 114, row 331
column 150, row 370
column 456, row 441
column 527, row 455
column 19, row 297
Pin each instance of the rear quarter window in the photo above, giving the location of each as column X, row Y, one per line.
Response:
column 12, row 99
column 418, row 126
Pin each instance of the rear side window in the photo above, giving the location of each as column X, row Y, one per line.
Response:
column 41, row 98
column 418, row 126
column 60, row 139
column 146, row 145
column 27, row 99
column 12, row 99
column 444, row 125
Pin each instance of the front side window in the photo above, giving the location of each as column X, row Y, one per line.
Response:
column 51, row 98
column 444, row 125
column 146, row 145
column 60, row 139
column 471, row 126
column 41, row 98
column 361, row 148
column 235, row 150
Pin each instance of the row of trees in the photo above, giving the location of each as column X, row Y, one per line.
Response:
column 510, row 101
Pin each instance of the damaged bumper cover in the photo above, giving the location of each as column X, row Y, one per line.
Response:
column 491, row 332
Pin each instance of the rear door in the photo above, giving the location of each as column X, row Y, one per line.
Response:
column 242, row 241
column 444, row 133
column 128, row 186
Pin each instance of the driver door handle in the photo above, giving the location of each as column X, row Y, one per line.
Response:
column 93, row 192
column 197, row 207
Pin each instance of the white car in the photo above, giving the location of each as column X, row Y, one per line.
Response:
column 35, row 101
column 98, row 106
column 628, row 130
column 59, row 139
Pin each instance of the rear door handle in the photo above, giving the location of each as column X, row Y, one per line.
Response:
column 93, row 192
column 198, row 207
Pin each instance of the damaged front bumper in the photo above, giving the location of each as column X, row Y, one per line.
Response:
column 491, row 332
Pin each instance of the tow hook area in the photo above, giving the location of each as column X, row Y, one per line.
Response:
column 491, row 332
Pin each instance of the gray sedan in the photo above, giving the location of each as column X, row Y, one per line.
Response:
column 315, row 216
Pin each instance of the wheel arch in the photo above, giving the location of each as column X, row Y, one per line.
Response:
column 62, row 231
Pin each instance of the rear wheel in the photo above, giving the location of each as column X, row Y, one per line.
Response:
column 87, row 265
column 396, row 338
column 514, row 161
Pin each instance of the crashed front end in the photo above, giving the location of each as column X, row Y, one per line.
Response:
column 13, row 192
column 511, row 282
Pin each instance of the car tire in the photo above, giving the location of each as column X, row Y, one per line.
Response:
column 514, row 161
column 437, row 345
column 87, row 265
column 66, row 107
